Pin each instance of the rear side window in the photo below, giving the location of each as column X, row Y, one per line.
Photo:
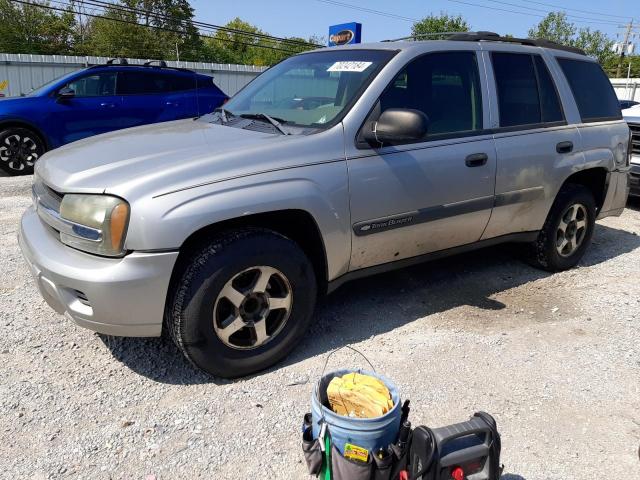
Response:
column 445, row 86
column 591, row 89
column 549, row 100
column 526, row 92
column 141, row 83
column 180, row 83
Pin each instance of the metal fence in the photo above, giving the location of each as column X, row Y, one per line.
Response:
column 21, row 73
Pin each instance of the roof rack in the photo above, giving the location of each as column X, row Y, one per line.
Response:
column 494, row 37
column 122, row 62
column 151, row 63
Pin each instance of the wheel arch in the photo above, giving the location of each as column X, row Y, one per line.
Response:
column 21, row 123
column 298, row 225
column 596, row 179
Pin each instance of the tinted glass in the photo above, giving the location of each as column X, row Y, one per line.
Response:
column 517, row 86
column 313, row 89
column 592, row 90
column 140, row 83
column 182, row 82
column 549, row 101
column 98, row 85
column 445, row 86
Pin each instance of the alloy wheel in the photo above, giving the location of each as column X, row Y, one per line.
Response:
column 19, row 152
column 571, row 230
column 252, row 308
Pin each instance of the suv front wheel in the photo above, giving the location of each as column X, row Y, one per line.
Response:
column 243, row 302
column 567, row 232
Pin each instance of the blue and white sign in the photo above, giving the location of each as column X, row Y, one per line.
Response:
column 345, row 34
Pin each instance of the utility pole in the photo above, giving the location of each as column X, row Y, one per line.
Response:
column 624, row 46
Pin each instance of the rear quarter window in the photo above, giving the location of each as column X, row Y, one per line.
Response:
column 592, row 90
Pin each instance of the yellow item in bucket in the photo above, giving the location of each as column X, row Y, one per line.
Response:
column 358, row 395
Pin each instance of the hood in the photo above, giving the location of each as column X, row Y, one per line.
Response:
column 8, row 104
column 161, row 158
column 632, row 114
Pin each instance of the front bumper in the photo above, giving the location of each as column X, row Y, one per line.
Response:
column 634, row 178
column 114, row 296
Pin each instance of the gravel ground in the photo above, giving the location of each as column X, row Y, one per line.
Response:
column 556, row 359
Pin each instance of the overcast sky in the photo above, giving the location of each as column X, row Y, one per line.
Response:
column 312, row 17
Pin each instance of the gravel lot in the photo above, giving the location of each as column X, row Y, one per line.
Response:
column 556, row 359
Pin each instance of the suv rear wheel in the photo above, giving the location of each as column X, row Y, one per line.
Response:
column 567, row 232
column 243, row 302
column 19, row 150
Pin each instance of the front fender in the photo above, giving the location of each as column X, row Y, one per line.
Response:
column 165, row 222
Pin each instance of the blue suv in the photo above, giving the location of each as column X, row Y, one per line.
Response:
column 97, row 100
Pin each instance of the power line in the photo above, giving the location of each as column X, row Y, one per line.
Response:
column 610, row 22
column 518, row 12
column 208, row 26
column 369, row 10
column 578, row 10
column 49, row 7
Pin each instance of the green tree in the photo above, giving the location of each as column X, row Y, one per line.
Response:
column 155, row 29
column 29, row 28
column 232, row 46
column 557, row 28
column 439, row 24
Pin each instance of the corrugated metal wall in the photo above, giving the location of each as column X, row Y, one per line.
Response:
column 21, row 73
column 627, row 89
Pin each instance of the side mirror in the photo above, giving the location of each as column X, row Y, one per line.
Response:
column 66, row 93
column 398, row 125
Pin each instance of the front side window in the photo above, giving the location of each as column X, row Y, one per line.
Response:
column 526, row 92
column 591, row 89
column 445, row 87
column 98, row 85
column 310, row 90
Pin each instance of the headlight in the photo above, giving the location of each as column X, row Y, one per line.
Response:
column 98, row 223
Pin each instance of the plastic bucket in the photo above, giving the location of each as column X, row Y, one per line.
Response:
column 369, row 433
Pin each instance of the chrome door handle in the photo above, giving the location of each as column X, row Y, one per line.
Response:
column 476, row 159
column 107, row 105
column 172, row 104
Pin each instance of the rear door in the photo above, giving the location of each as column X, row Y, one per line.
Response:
column 412, row 199
column 536, row 147
column 148, row 97
column 94, row 109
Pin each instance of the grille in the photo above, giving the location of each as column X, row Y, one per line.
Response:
column 635, row 138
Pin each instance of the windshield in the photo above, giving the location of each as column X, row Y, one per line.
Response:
column 41, row 89
column 310, row 90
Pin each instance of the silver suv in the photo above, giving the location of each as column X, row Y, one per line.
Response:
column 332, row 165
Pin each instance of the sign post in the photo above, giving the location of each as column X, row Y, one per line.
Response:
column 345, row 34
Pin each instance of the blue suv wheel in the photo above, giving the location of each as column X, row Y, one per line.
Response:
column 19, row 150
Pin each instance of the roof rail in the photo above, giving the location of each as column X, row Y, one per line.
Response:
column 151, row 63
column 121, row 61
column 494, row 37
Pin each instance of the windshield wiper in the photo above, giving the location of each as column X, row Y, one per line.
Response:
column 273, row 121
column 224, row 114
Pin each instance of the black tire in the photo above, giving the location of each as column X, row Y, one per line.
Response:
column 20, row 148
column 190, row 313
column 545, row 252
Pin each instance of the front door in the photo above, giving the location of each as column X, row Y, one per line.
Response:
column 412, row 199
column 95, row 108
